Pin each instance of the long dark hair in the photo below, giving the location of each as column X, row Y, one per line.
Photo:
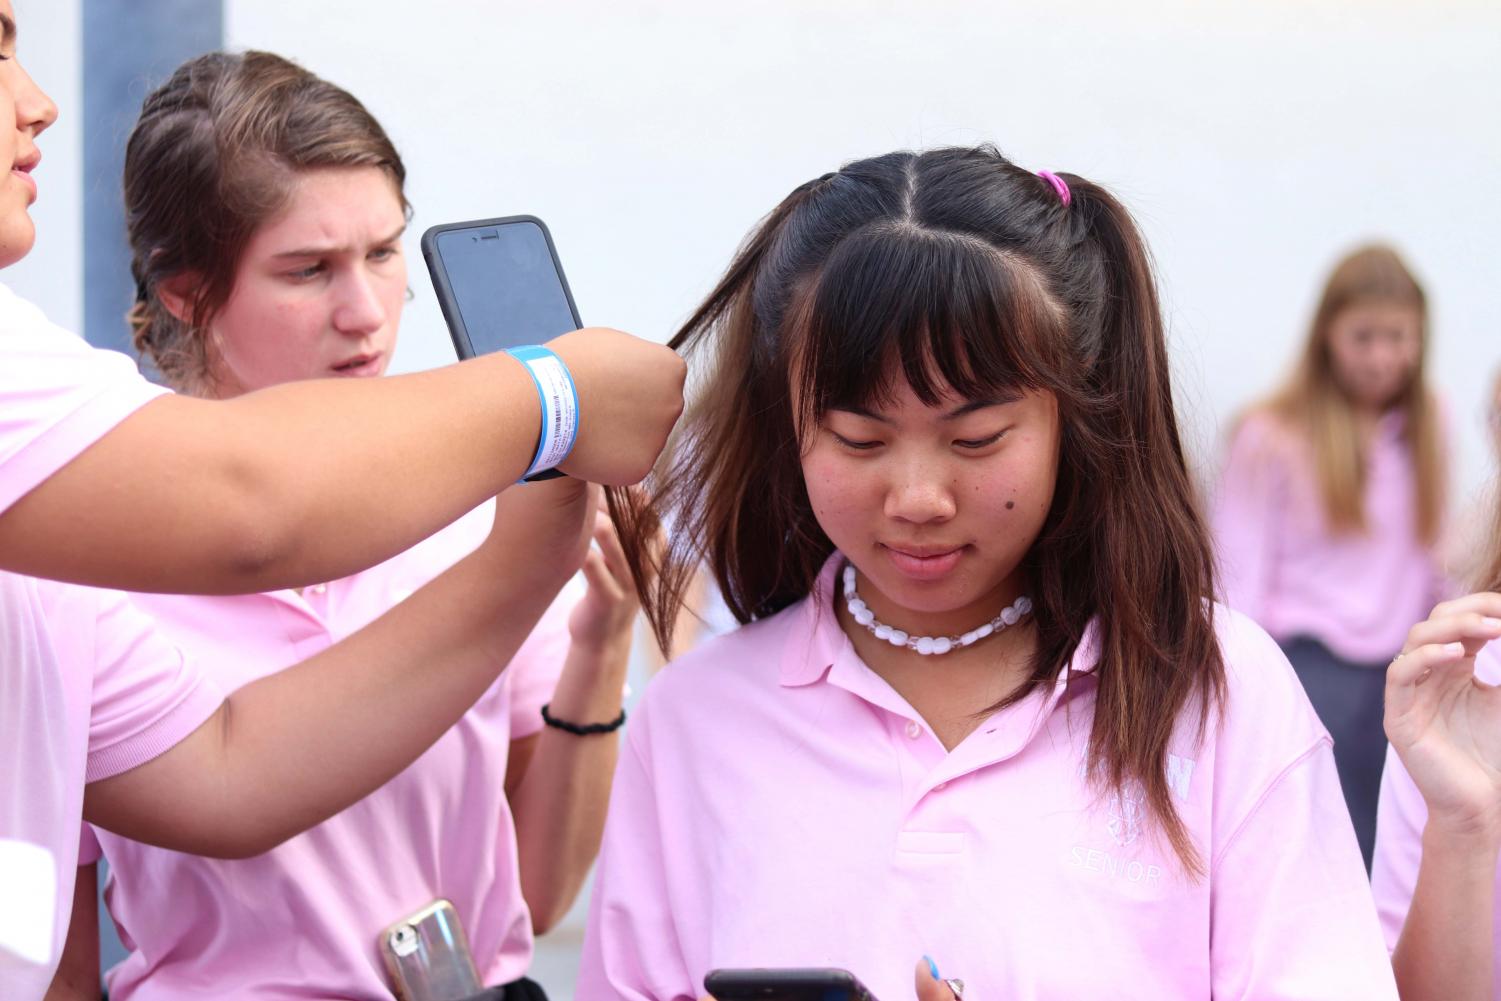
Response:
column 212, row 157
column 956, row 266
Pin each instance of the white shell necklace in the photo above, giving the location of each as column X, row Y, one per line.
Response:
column 928, row 646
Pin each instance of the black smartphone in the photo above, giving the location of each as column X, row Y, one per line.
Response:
column 786, row 985
column 499, row 283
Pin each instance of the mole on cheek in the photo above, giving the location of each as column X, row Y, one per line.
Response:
column 1010, row 505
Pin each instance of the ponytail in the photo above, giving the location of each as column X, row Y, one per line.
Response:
column 739, row 494
column 1135, row 557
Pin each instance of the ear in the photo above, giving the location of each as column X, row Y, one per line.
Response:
column 176, row 293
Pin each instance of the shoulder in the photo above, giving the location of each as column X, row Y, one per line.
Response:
column 1264, row 705
column 734, row 673
column 1263, row 434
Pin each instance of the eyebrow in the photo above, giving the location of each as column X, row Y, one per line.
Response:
column 326, row 250
column 963, row 410
column 9, row 30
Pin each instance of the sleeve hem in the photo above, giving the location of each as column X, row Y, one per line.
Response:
column 191, row 711
column 70, row 437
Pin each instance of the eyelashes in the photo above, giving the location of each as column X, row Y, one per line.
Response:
column 966, row 443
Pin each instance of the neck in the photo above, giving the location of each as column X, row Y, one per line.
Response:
column 949, row 622
column 952, row 692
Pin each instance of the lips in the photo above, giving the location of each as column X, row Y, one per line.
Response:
column 359, row 365
column 23, row 168
column 923, row 563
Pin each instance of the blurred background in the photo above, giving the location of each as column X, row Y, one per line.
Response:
column 1254, row 142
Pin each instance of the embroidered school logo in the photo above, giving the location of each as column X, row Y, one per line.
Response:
column 1125, row 814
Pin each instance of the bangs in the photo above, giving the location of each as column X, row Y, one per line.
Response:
column 938, row 309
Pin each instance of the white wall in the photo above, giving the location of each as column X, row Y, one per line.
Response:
column 50, row 44
column 1254, row 141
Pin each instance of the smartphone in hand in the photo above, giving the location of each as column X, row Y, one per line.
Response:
column 786, row 984
column 499, row 283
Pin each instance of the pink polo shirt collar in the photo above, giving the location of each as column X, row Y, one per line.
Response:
column 818, row 650
column 813, row 649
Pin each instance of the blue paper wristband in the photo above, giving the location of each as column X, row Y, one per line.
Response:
column 560, row 407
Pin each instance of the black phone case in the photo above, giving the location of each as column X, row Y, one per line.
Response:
column 786, row 985
column 459, row 334
column 446, row 301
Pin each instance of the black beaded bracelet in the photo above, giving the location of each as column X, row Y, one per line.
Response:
column 586, row 729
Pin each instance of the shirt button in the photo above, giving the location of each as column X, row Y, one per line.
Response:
column 318, row 588
column 914, row 730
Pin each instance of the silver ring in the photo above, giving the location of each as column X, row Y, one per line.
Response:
column 955, row 985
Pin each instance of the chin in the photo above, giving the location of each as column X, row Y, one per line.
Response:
column 937, row 597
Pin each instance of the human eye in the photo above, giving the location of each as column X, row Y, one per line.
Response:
column 306, row 273
column 383, row 253
column 854, row 445
column 979, row 443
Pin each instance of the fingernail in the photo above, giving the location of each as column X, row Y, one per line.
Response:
column 932, row 966
column 1491, row 623
column 1454, row 649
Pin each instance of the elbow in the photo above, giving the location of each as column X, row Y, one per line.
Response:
column 547, row 907
column 545, row 921
column 255, row 540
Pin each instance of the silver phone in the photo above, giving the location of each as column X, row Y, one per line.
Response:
column 427, row 956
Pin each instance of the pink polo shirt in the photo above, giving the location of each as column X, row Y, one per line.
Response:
column 87, row 689
column 1357, row 593
column 1399, row 833
column 778, row 804
column 302, row 920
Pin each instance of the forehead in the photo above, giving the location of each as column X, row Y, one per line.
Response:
column 1378, row 314
column 333, row 206
column 900, row 402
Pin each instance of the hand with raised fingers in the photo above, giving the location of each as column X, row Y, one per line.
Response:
column 630, row 394
column 1445, row 723
column 606, row 617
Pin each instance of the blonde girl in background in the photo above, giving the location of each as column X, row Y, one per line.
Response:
column 1331, row 503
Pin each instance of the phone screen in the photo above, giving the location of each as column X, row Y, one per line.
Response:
column 504, row 285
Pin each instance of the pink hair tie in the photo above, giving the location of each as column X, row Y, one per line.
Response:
column 1058, row 185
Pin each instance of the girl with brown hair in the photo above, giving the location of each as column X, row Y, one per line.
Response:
column 983, row 706
column 265, row 209
column 1331, row 503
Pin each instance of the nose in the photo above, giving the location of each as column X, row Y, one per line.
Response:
column 1392, row 359
column 35, row 111
column 360, row 311
column 920, row 492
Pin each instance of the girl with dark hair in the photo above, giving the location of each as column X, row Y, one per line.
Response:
column 502, row 816
column 1331, row 504
column 983, row 706
column 108, row 480
column 1438, row 835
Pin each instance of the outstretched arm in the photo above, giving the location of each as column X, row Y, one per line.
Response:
column 295, row 747
column 311, row 481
